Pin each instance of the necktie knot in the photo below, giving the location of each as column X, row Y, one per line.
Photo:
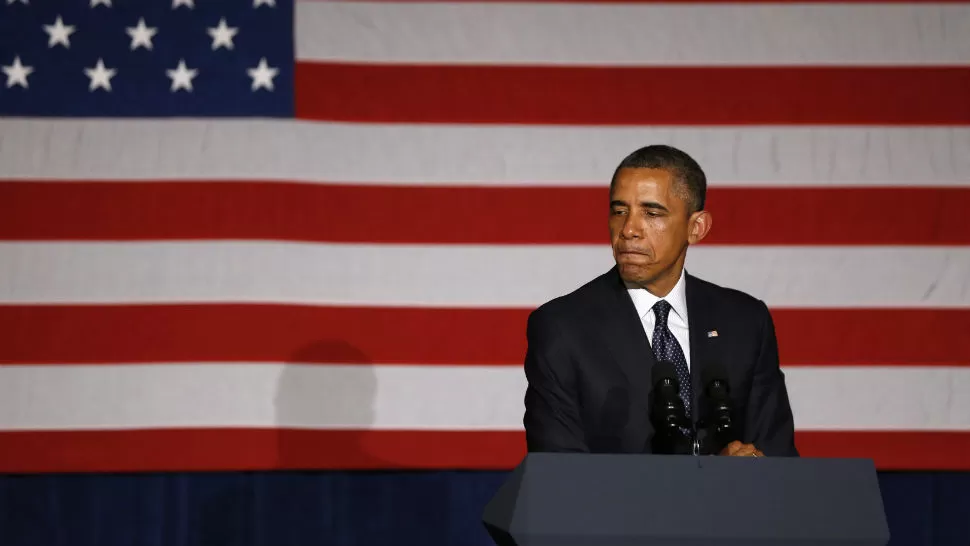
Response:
column 661, row 310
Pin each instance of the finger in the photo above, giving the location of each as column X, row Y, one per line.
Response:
column 744, row 450
column 733, row 447
column 747, row 450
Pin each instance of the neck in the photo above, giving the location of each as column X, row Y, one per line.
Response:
column 662, row 284
column 661, row 287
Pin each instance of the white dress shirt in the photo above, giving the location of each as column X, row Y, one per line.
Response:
column 676, row 320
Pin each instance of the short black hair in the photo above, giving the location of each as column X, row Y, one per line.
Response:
column 684, row 169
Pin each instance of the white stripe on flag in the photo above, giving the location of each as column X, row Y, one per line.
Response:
column 416, row 397
column 486, row 155
column 459, row 275
column 634, row 34
column 872, row 398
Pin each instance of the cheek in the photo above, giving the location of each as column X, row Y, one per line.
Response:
column 616, row 224
column 658, row 230
column 661, row 236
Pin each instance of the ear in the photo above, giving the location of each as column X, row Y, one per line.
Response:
column 699, row 226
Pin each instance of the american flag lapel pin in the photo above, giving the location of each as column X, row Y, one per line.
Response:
column 712, row 333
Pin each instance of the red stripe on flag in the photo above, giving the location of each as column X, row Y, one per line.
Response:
column 260, row 333
column 263, row 449
column 632, row 95
column 891, row 450
column 460, row 215
column 349, row 335
column 873, row 336
column 243, row 449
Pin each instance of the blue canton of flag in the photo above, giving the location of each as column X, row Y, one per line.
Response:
column 146, row 58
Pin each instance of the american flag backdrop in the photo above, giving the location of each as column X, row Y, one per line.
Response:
column 259, row 234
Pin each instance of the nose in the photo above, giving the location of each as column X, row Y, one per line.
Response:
column 632, row 228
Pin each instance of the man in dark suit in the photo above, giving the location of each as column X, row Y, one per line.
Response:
column 591, row 352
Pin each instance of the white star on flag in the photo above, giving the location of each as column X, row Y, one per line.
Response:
column 94, row 3
column 189, row 3
column 270, row 3
column 12, row 1
column 17, row 73
column 222, row 35
column 263, row 75
column 59, row 33
column 141, row 35
column 182, row 76
column 100, row 76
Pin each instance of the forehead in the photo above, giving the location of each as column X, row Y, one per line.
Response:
column 642, row 182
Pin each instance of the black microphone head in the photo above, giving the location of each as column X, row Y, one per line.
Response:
column 713, row 375
column 664, row 369
column 718, row 418
column 667, row 414
column 666, row 386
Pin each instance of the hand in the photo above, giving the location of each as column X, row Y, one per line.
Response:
column 737, row 449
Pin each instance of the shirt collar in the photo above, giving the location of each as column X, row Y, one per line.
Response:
column 677, row 298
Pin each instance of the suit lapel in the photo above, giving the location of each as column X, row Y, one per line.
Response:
column 625, row 337
column 703, row 345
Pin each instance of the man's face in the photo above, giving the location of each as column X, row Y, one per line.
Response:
column 650, row 227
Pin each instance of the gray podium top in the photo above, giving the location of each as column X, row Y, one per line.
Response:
column 572, row 499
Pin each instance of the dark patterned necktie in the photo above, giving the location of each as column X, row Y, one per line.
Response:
column 665, row 347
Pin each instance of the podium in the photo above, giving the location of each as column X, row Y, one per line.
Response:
column 575, row 499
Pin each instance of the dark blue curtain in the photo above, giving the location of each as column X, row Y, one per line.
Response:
column 346, row 509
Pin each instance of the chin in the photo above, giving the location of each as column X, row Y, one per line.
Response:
column 635, row 273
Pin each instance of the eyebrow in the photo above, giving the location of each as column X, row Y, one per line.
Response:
column 643, row 204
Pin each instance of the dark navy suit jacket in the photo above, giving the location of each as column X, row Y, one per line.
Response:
column 589, row 365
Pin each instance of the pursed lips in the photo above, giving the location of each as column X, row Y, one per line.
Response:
column 632, row 254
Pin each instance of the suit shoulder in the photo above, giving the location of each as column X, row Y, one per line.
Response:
column 733, row 298
column 576, row 302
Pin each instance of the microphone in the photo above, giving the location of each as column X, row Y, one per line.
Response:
column 668, row 415
column 719, row 418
